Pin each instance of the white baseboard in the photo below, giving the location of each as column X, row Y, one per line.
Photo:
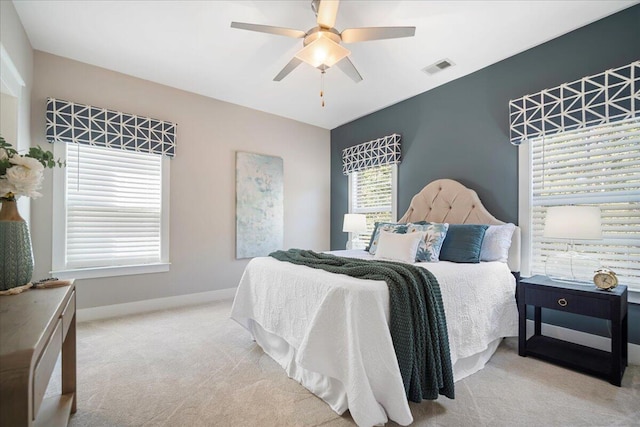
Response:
column 589, row 340
column 117, row 310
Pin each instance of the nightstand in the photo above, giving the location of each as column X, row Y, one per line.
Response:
column 542, row 292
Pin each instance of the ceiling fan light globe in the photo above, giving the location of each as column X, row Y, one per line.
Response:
column 320, row 56
column 322, row 52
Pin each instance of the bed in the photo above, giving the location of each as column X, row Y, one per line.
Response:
column 330, row 332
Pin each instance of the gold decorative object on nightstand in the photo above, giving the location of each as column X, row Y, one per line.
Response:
column 605, row 279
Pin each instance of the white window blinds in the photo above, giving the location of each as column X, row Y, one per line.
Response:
column 114, row 207
column 373, row 193
column 600, row 167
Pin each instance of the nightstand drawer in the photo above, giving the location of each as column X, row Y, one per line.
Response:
column 564, row 301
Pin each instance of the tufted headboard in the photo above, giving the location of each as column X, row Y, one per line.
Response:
column 446, row 200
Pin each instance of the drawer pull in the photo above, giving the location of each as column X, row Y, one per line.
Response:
column 562, row 302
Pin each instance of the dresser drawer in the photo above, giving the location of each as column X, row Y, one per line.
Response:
column 571, row 303
column 45, row 365
column 68, row 313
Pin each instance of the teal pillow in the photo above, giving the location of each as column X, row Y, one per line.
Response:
column 387, row 226
column 463, row 243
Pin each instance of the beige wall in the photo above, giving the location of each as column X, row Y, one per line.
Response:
column 16, row 43
column 202, row 178
column 9, row 117
column 20, row 59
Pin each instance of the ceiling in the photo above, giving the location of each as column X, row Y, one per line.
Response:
column 190, row 45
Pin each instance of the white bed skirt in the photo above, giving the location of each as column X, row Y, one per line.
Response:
column 331, row 390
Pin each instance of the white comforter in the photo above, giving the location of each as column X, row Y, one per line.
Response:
column 330, row 332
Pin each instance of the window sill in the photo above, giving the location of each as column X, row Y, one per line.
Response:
column 126, row 270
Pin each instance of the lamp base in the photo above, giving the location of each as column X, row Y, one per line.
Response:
column 353, row 244
column 571, row 267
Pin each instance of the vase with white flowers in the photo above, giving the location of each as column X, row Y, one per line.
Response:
column 20, row 175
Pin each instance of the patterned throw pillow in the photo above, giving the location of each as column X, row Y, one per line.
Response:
column 429, row 248
column 386, row 226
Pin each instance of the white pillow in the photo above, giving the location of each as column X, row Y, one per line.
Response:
column 496, row 243
column 398, row 247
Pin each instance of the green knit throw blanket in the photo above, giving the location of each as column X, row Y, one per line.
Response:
column 418, row 324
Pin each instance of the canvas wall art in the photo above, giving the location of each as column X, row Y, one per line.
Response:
column 259, row 204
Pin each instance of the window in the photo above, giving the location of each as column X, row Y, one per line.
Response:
column 113, row 218
column 598, row 166
column 373, row 192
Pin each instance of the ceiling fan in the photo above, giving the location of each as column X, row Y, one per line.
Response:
column 321, row 45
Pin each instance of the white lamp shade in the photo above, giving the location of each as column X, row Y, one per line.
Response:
column 354, row 223
column 573, row 222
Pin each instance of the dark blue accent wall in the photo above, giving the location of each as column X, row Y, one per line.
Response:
column 460, row 130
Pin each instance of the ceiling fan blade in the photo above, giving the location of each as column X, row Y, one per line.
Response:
column 349, row 69
column 327, row 12
column 279, row 31
column 287, row 69
column 353, row 35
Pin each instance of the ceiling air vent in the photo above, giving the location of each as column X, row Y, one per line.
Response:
column 438, row 66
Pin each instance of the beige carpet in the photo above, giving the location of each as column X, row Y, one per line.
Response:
column 195, row 367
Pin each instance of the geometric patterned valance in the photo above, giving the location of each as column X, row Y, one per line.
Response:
column 603, row 98
column 379, row 152
column 83, row 124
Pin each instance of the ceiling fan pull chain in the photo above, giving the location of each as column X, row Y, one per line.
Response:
column 322, row 73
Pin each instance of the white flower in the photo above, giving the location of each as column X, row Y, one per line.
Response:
column 27, row 162
column 3, row 154
column 23, row 178
column 5, row 187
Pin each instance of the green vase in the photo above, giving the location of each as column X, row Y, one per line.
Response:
column 16, row 255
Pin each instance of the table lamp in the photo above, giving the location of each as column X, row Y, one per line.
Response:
column 356, row 224
column 571, row 223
